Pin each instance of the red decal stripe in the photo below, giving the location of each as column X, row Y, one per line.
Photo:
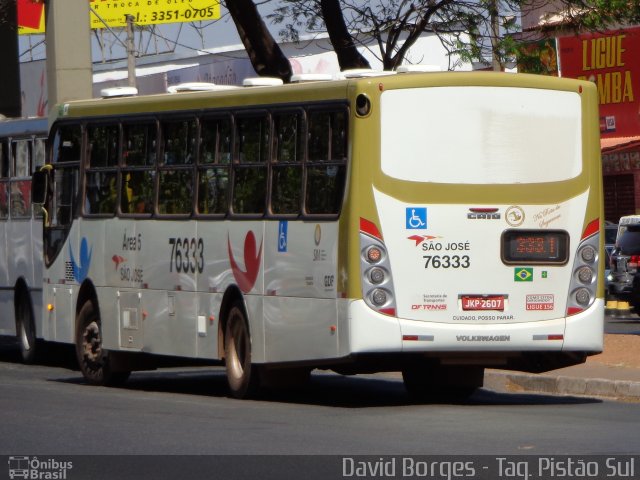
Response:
column 369, row 228
column 574, row 310
column 591, row 229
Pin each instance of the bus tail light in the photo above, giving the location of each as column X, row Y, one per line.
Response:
column 584, row 281
column 377, row 284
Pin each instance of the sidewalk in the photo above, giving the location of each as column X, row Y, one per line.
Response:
column 614, row 374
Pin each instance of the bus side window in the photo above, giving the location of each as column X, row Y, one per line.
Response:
column 39, row 153
column 250, row 170
column 179, row 142
column 326, row 163
column 286, row 169
column 4, row 159
column 101, row 190
column 214, row 166
column 137, row 189
column 66, row 150
column 4, row 179
column 139, row 144
column 175, row 190
column 20, row 195
column 67, row 144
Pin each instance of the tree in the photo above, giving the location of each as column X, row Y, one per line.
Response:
column 476, row 30
column 264, row 53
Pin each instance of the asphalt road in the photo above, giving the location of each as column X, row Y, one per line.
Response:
column 627, row 323
column 50, row 410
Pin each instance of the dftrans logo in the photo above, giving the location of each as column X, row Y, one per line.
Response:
column 416, row 218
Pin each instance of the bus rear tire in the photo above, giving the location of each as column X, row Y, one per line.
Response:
column 93, row 359
column 440, row 384
column 242, row 375
column 26, row 330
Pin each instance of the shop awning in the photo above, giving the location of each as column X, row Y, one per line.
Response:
column 612, row 144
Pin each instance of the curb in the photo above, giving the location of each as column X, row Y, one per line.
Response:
column 562, row 385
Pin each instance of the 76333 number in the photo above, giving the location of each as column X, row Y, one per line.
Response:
column 187, row 255
column 446, row 261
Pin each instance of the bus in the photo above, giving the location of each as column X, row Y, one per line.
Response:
column 433, row 224
column 22, row 152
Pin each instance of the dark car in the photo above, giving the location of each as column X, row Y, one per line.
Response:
column 610, row 234
column 625, row 278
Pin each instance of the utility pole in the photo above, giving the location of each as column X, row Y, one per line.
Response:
column 131, row 52
column 68, row 37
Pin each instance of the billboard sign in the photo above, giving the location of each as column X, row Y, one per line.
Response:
column 610, row 60
column 152, row 12
column 112, row 13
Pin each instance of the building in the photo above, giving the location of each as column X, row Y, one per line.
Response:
column 610, row 59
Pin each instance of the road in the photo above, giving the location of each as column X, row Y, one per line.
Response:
column 628, row 323
column 49, row 410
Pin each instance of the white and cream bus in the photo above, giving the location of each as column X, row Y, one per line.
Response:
column 434, row 224
column 22, row 151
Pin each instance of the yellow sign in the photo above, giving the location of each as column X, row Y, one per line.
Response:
column 113, row 12
column 151, row 12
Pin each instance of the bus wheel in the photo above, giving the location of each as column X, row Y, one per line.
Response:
column 242, row 376
column 442, row 384
column 26, row 330
column 92, row 358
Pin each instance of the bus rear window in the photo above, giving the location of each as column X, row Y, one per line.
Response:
column 481, row 135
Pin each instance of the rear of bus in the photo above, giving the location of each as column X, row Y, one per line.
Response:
column 478, row 198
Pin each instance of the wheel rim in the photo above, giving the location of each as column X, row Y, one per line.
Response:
column 92, row 353
column 238, row 348
column 25, row 332
column 25, row 338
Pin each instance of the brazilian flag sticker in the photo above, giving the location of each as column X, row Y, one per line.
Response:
column 523, row 275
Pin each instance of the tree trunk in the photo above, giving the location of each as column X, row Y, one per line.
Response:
column 10, row 100
column 341, row 39
column 264, row 53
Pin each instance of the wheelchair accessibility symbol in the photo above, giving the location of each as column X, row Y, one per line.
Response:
column 416, row 218
column 282, row 236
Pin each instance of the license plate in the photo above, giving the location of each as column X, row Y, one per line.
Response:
column 495, row 302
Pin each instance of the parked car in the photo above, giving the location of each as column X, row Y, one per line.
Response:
column 624, row 276
column 610, row 234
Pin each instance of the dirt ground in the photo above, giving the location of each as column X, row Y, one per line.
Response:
column 619, row 350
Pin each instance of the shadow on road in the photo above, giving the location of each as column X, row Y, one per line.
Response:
column 50, row 354
column 324, row 389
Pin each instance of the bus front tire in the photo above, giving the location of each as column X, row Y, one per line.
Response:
column 242, row 375
column 93, row 359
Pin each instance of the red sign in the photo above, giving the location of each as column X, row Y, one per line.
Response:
column 611, row 61
column 30, row 16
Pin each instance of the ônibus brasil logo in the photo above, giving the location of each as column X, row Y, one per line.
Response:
column 35, row 468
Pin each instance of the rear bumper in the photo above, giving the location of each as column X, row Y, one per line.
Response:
column 373, row 332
